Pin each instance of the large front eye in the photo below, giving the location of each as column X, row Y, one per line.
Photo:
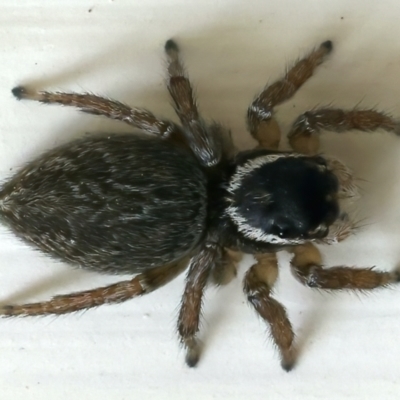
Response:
column 281, row 230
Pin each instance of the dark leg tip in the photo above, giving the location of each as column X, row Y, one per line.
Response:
column 170, row 45
column 193, row 350
column 396, row 276
column 7, row 310
column 288, row 359
column 18, row 92
column 288, row 366
column 192, row 360
column 328, row 45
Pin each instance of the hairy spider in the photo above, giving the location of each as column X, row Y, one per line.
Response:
column 172, row 197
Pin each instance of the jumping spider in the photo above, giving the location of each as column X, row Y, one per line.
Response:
column 155, row 203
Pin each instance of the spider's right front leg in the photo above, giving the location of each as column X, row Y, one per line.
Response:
column 260, row 121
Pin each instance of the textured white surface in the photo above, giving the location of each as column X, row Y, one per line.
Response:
column 349, row 344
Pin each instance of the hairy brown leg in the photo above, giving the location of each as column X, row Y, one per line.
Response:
column 258, row 284
column 306, row 266
column 203, row 143
column 345, row 225
column 189, row 315
column 260, row 121
column 340, row 230
column 91, row 104
column 303, row 136
column 226, row 270
column 119, row 292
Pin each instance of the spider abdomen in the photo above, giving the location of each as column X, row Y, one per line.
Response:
column 119, row 203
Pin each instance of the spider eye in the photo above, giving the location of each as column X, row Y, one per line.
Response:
column 281, row 231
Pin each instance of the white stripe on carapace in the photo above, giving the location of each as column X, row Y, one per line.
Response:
column 233, row 212
column 257, row 233
column 254, row 164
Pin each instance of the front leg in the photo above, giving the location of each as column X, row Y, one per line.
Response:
column 307, row 268
column 304, row 134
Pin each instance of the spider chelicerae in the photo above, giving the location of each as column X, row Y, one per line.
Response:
column 172, row 197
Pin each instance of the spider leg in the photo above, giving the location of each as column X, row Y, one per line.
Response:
column 205, row 145
column 347, row 186
column 258, row 284
column 119, row 292
column 340, row 230
column 307, row 268
column 260, row 121
column 189, row 314
column 345, row 225
column 92, row 104
column 226, row 270
column 303, row 136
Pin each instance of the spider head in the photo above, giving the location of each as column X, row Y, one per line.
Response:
column 283, row 198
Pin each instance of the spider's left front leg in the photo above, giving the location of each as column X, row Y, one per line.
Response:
column 307, row 268
column 304, row 138
column 304, row 134
column 258, row 284
column 200, row 268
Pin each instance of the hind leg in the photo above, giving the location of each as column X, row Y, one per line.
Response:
column 96, row 105
column 141, row 284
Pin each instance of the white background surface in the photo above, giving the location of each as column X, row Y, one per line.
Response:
column 349, row 344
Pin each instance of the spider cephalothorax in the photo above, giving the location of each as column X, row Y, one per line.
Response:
column 283, row 198
column 180, row 196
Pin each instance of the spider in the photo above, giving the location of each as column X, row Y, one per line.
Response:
column 175, row 197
